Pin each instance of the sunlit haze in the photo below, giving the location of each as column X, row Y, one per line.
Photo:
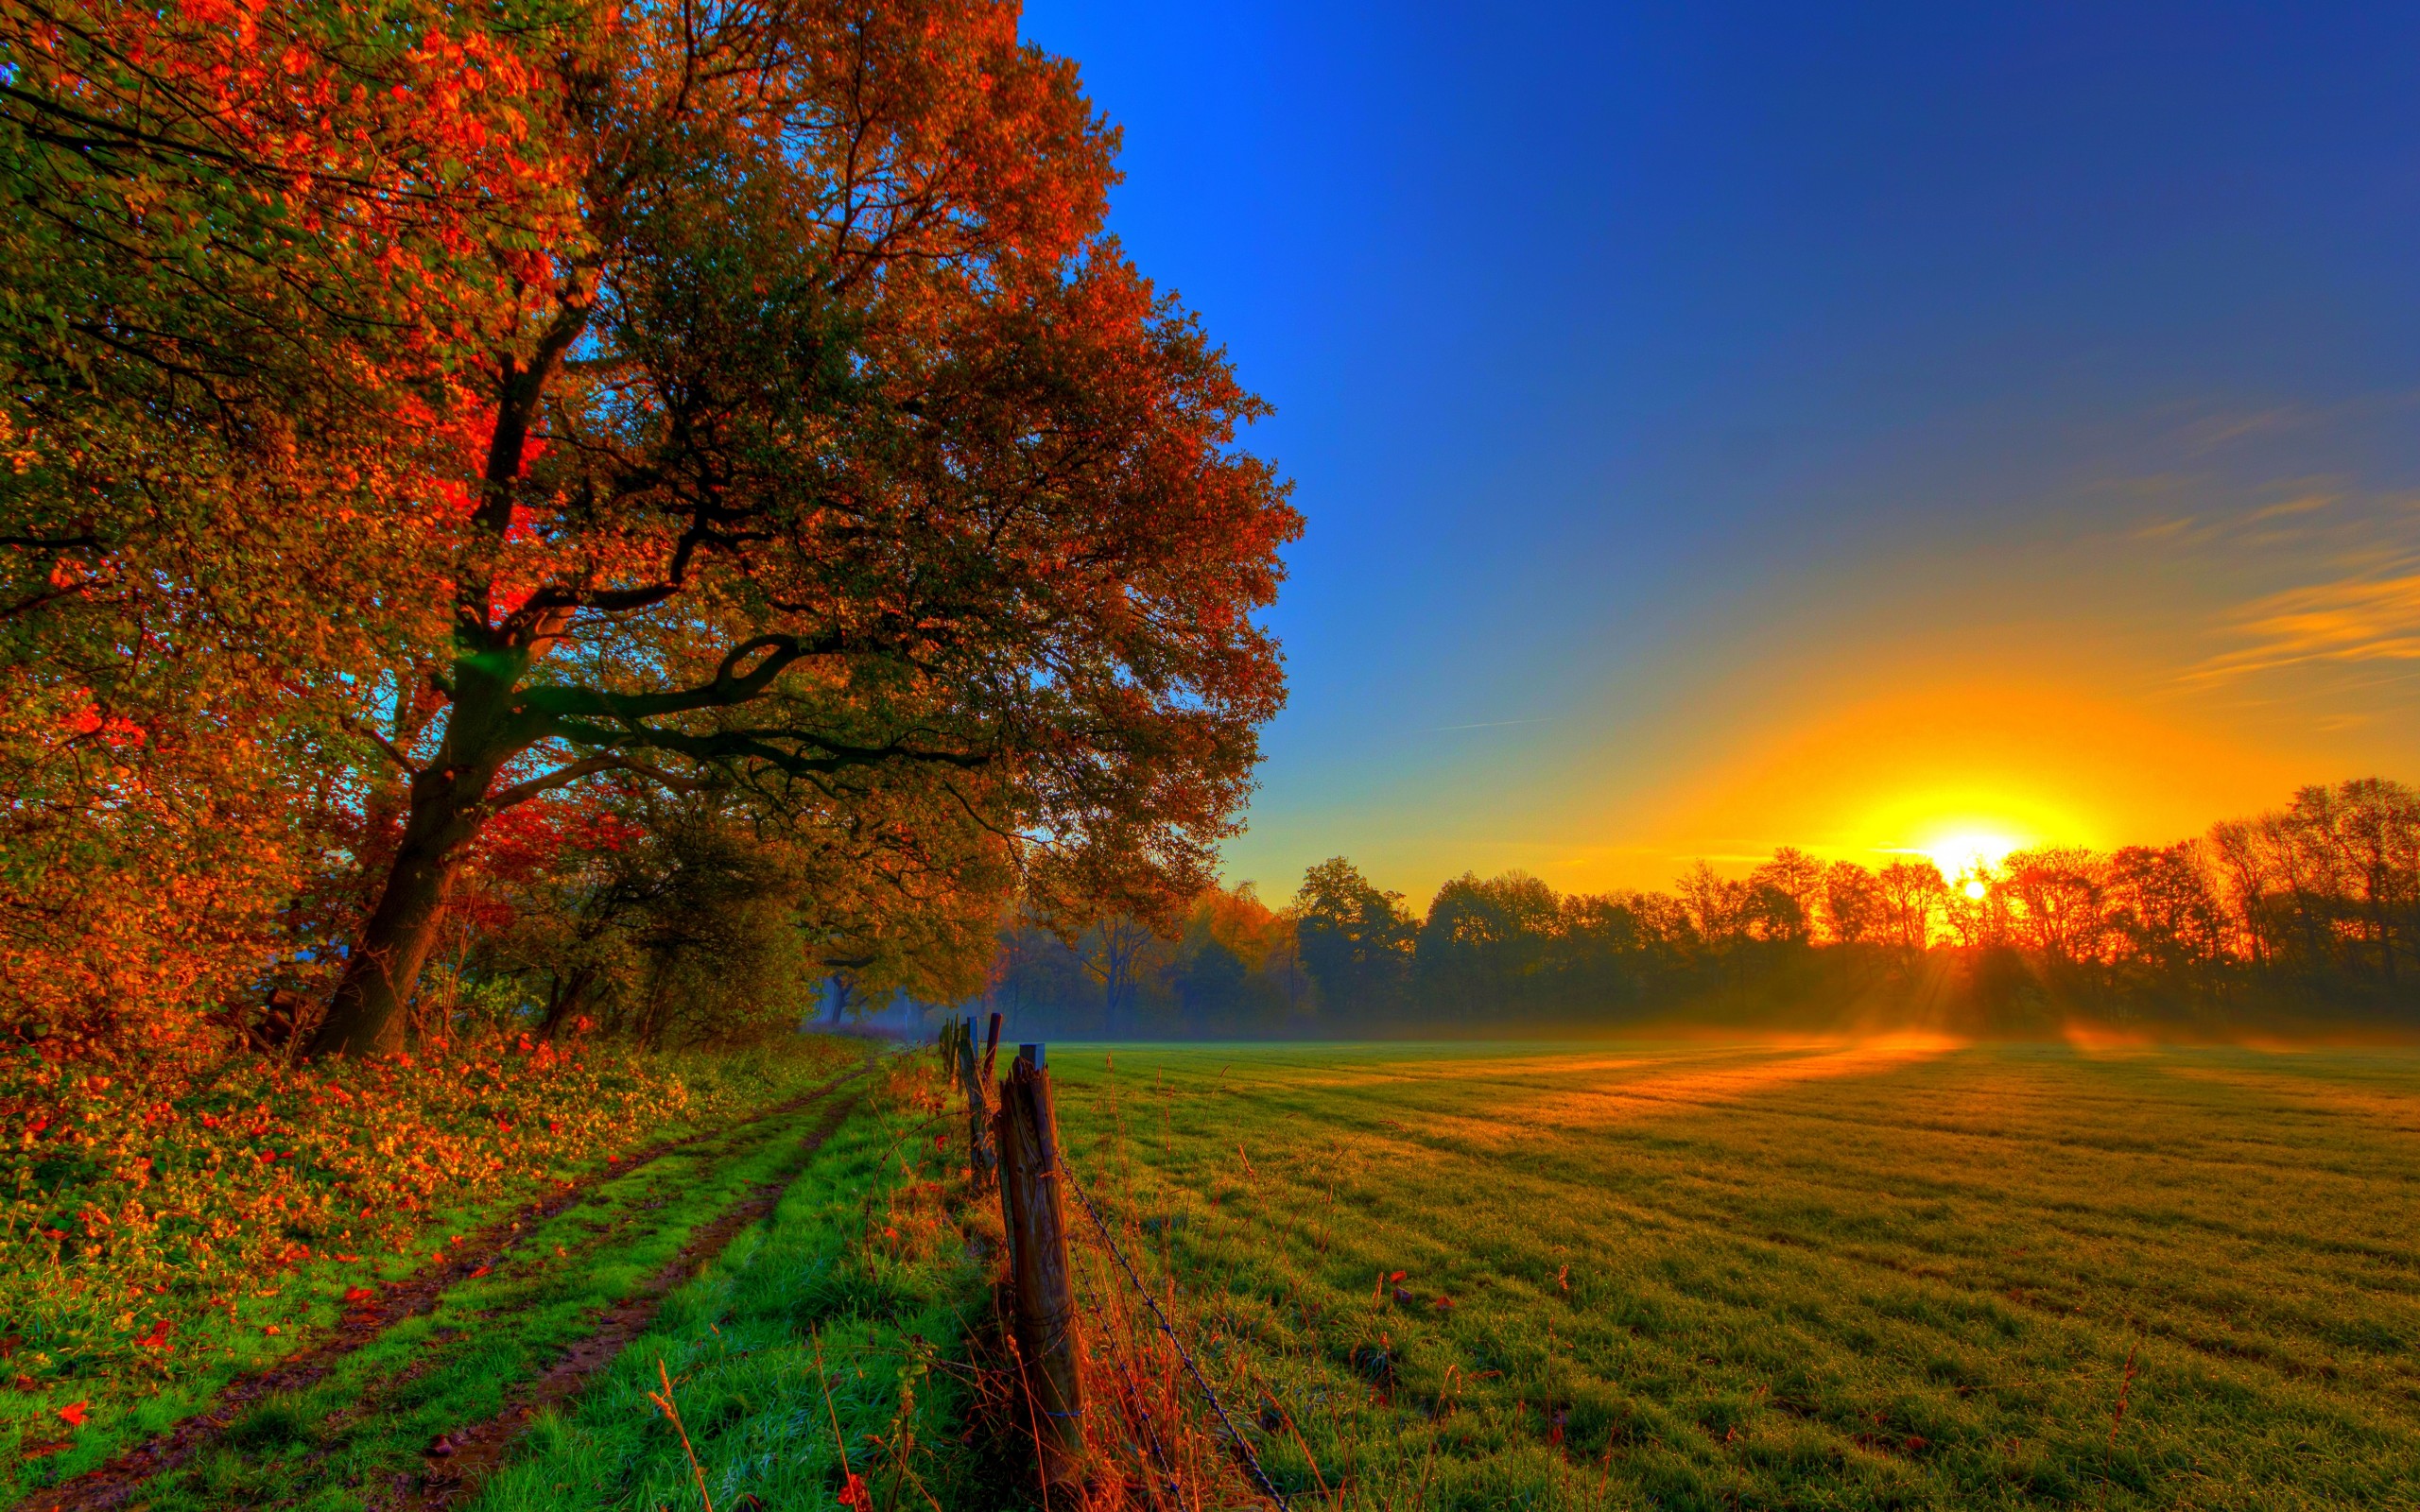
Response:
column 1880, row 429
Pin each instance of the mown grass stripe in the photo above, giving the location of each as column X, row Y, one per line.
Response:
column 1789, row 1291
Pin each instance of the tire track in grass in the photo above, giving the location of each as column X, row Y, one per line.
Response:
column 117, row 1481
column 459, row 1463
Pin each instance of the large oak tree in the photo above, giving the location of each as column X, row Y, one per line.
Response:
column 841, row 456
column 738, row 398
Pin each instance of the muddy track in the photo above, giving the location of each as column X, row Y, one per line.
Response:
column 459, row 1463
column 112, row 1483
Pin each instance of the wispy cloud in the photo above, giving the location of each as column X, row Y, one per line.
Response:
column 2365, row 618
column 2304, row 504
column 2298, row 519
column 2210, row 433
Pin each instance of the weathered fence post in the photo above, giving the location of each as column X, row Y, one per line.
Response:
column 1027, row 1128
column 981, row 1158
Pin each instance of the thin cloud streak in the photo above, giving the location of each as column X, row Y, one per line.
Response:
column 2362, row 619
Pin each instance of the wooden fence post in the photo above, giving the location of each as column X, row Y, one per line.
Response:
column 981, row 1158
column 1027, row 1128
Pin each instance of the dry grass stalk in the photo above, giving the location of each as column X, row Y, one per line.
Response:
column 663, row 1401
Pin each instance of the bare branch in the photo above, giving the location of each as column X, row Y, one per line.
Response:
column 394, row 753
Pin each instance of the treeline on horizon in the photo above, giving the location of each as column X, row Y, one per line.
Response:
column 2306, row 917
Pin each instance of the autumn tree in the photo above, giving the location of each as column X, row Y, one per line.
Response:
column 1786, row 895
column 1234, row 964
column 1486, row 941
column 838, row 461
column 2161, row 904
column 2328, row 887
column 2054, row 894
column 248, row 249
column 1721, row 910
column 1117, row 950
column 1977, row 908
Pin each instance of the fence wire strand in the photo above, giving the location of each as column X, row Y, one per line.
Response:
column 1243, row 1444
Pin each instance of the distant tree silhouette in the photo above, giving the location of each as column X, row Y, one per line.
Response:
column 1853, row 904
column 2309, row 913
column 1914, row 895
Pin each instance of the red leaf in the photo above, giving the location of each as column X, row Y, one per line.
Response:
column 360, row 1294
column 73, row 1413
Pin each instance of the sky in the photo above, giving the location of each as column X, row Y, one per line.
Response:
column 1853, row 427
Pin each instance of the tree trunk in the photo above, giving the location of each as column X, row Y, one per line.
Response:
column 482, row 732
column 365, row 1015
column 2381, row 927
column 565, row 1000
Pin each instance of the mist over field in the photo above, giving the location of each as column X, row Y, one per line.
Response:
column 2299, row 925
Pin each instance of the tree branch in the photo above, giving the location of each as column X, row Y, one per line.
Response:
column 758, row 746
column 559, row 702
column 394, row 753
column 586, row 767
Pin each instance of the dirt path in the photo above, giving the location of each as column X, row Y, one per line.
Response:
column 113, row 1484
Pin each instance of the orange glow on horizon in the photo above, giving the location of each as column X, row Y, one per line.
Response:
column 1962, row 766
column 1969, row 847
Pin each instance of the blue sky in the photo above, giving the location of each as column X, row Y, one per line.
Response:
column 1724, row 426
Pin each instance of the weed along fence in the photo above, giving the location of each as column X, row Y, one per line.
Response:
column 1012, row 1139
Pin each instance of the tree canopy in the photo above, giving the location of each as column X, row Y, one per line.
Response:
column 425, row 412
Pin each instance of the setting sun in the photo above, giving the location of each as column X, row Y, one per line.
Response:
column 1968, row 848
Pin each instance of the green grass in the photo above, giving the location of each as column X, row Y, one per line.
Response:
column 859, row 1266
column 1904, row 1275
column 366, row 1424
column 225, row 1327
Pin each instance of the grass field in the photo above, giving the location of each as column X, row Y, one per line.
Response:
column 1895, row 1274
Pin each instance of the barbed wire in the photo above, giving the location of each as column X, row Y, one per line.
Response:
column 1243, row 1444
column 1134, row 1389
